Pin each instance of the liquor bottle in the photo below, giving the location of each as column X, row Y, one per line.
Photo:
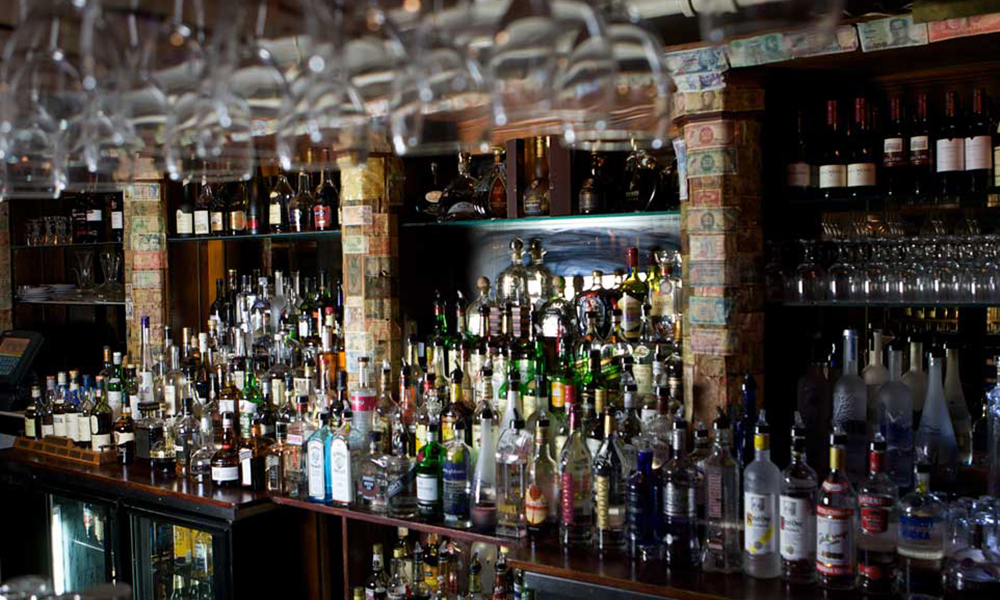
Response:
column 377, row 583
column 429, row 493
column 798, row 170
column 832, row 160
column 633, row 295
column 541, row 500
column 257, row 205
column 972, row 572
column 921, row 158
column 277, row 205
column 513, row 463
column 644, row 188
column 252, row 451
column 540, row 278
column 203, row 210
column 300, row 206
column 849, row 407
column 835, row 521
column 915, row 379
column 363, row 400
column 326, row 209
column 373, row 470
column 187, row 437
column 536, row 198
column 978, row 146
column 958, row 410
column 921, row 540
column 33, row 411
column 680, row 518
column 762, row 486
column 491, row 189
column 102, row 426
column 896, row 154
column 643, row 504
column 401, row 475
column 217, row 211
column 484, row 487
column 456, row 473
column 321, row 470
column 512, row 282
column 226, row 462
column 936, row 436
column 59, row 406
column 236, row 210
column 895, row 410
column 861, row 171
column 575, row 471
column 459, row 200
column 46, row 420
column 275, row 459
column 590, row 200
column 875, row 375
column 742, row 416
column 117, row 216
column 876, row 537
column 398, row 587
column 949, row 151
column 124, row 436
column 797, row 510
column 611, row 470
column 71, row 411
column 721, row 550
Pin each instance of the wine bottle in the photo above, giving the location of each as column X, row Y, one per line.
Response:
column 950, row 152
column 896, row 154
column 832, row 168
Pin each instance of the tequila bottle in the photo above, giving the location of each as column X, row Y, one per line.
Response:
column 590, row 200
column 876, row 537
column 761, row 558
column 513, row 454
column 920, row 543
column 484, row 489
column 459, row 201
column 456, row 472
column 849, row 407
column 797, row 511
column 429, row 493
column 958, row 410
column 539, row 276
column 557, row 313
column 575, row 470
column 612, row 467
column 680, row 519
column 835, row 521
column 541, row 500
column 512, row 283
column 633, row 295
column 536, row 198
column 895, row 410
column 373, row 476
column 721, row 550
column 644, row 500
column 936, row 437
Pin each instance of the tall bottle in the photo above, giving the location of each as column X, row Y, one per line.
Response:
column 542, row 500
column 611, row 471
column 536, row 198
column 921, row 539
column 680, row 518
column 895, row 410
column 633, row 295
column 849, row 407
column 915, row 379
column 457, row 474
column 832, row 163
column 575, row 469
column 798, row 513
column 835, row 521
column 958, row 410
column 798, row 170
column 720, row 549
column 950, row 151
column 875, row 375
column 921, row 155
column 429, row 484
column 876, row 536
column 513, row 456
column 278, row 199
column 936, row 436
column 896, row 154
column 363, row 401
column 861, row 171
column 762, row 486
column 978, row 146
column 326, row 210
column 484, row 484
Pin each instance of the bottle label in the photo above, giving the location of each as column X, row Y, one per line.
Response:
column 317, row 472
column 59, row 424
column 321, row 217
column 602, row 492
column 295, row 219
column 796, row 528
column 246, row 468
column 874, row 513
column 643, row 374
column 94, row 215
column 401, row 484
column 567, row 498
column 362, row 402
column 832, row 176
column 678, row 501
column 557, row 394
column 834, row 543
column 761, row 534
column 860, row 174
column 456, row 494
column 427, row 488
column 237, row 220
column 99, row 442
column 713, row 478
column 797, row 175
column 893, row 152
column 117, row 222
column 201, row 222
column 185, row 223
column 996, row 171
column 83, row 429
column 341, row 471
column 916, row 529
column 978, row 153
column 950, row 155
column 274, row 213
column 218, row 222
column 73, row 426
column 536, row 505
column 631, row 308
column 29, row 427
column 124, row 437
column 225, row 473
column 48, row 430
column 920, row 151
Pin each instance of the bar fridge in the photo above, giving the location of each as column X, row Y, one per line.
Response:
column 83, row 541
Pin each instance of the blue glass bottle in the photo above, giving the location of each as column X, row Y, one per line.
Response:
column 644, row 502
column 743, row 416
column 317, row 458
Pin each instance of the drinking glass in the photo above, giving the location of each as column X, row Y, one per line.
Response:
column 522, row 63
column 721, row 20
column 810, row 280
column 840, row 274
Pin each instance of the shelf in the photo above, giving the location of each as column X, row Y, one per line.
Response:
column 73, row 302
column 548, row 222
column 368, row 517
column 306, row 235
column 863, row 304
column 63, row 246
column 654, row 577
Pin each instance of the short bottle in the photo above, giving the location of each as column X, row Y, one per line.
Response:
column 761, row 558
column 835, row 521
column 876, row 535
column 226, row 461
column 797, row 510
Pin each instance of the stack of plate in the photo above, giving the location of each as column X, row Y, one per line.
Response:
column 62, row 289
column 30, row 293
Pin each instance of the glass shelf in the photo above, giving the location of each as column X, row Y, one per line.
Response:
column 305, row 235
column 57, row 302
column 876, row 304
column 549, row 222
column 64, row 246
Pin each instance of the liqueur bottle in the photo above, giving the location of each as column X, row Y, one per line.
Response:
column 876, row 536
column 680, row 519
column 762, row 486
column 575, row 471
column 835, row 521
column 721, row 550
column 798, row 513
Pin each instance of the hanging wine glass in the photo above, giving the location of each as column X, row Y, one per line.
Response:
column 147, row 104
column 721, row 20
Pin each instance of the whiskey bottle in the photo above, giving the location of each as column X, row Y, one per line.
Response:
column 575, row 472
column 832, row 164
column 835, row 521
column 797, row 512
column 536, row 198
column 761, row 558
column 226, row 461
column 102, row 426
column 978, row 147
column 590, row 200
column 861, row 171
column 124, row 436
column 203, row 209
column 721, row 550
column 949, row 152
column 896, row 169
column 876, row 538
column 680, row 519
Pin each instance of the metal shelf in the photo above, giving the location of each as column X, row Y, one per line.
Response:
column 863, row 304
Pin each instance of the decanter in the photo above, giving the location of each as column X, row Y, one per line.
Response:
column 512, row 283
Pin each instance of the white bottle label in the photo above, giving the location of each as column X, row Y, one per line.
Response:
column 83, row 429
column 892, row 145
column 797, row 174
column 834, row 542
column 201, row 222
column 185, row 223
column 860, row 174
column 123, row 437
column 427, row 488
column 919, row 143
column 94, row 215
column 316, row 473
column 274, row 214
column 117, row 222
column 341, row 472
column 643, row 379
column 115, row 402
column 950, row 155
column 631, row 316
column 73, row 426
column 977, row 153
column 59, row 425
column 170, row 398
column 48, row 430
column 761, row 534
column 226, row 473
column 832, row 176
column 797, row 521
column 29, row 427
column 246, row 467
column 100, row 442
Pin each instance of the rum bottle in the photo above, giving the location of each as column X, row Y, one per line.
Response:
column 835, row 521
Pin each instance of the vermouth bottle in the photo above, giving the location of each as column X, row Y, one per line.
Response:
column 798, row 513
column 575, row 469
column 680, row 519
column 760, row 508
column 835, row 521
column 721, row 550
column 877, row 498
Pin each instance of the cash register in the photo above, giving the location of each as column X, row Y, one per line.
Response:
column 18, row 350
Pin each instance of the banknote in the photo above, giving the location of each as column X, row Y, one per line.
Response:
column 696, row 82
column 698, row 60
column 709, row 311
column 810, row 42
column 680, row 151
column 757, row 50
column 716, row 161
column 894, row 32
column 939, row 31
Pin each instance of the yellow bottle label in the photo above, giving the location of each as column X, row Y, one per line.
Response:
column 761, row 442
column 557, row 394
column 603, row 492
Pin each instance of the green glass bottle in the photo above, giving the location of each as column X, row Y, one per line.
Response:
column 429, row 486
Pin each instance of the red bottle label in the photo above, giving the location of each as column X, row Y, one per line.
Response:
column 321, row 215
column 567, row 499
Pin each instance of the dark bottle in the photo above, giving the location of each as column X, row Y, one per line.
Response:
column 256, row 205
column 797, row 512
column 226, row 460
column 832, row 163
column 680, row 519
column 124, row 436
column 949, row 146
column 643, row 507
column 591, row 196
column 203, row 210
column 643, row 189
column 327, row 207
column 117, row 218
column 236, row 211
column 300, row 206
column 277, row 215
column 921, row 158
column 798, row 168
column 978, row 146
column 78, row 216
column 217, row 211
column 95, row 218
column 862, row 176
column 743, row 416
column 220, row 307
column 896, row 154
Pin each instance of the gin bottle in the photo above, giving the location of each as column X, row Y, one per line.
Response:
column 876, row 535
column 720, row 546
column 921, row 538
column 680, row 519
column 849, row 407
column 575, row 470
column 895, row 414
column 835, row 521
column 958, row 410
column 760, row 508
column 936, row 437
column 798, row 513
column 320, row 468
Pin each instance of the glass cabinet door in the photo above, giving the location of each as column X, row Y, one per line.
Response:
column 82, row 544
column 172, row 561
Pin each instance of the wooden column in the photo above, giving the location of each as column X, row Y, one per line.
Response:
column 6, row 271
column 722, row 243
column 145, row 265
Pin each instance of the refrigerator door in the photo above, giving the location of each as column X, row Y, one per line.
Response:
column 82, row 538
column 177, row 559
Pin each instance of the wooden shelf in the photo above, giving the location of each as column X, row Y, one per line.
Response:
column 63, row 246
column 387, row 521
column 57, row 302
column 274, row 237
